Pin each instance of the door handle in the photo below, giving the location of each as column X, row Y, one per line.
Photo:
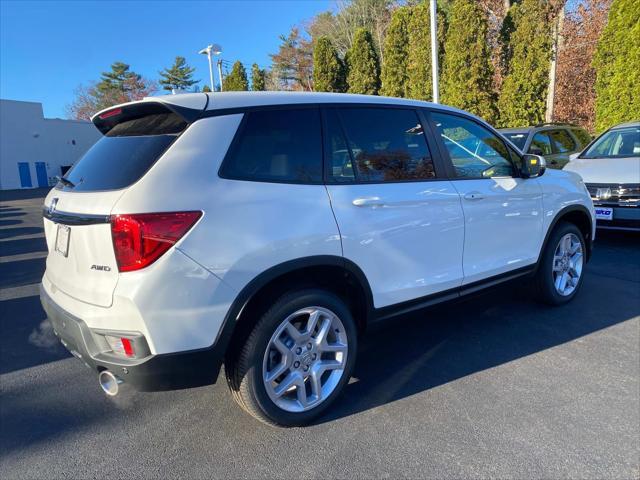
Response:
column 473, row 196
column 368, row 202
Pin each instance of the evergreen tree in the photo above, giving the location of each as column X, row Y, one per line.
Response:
column 258, row 80
column 396, row 47
column 363, row 65
column 120, row 85
column 178, row 77
column 328, row 69
column 617, row 64
column 467, row 72
column 419, row 85
column 237, row 79
column 522, row 100
column 206, row 89
column 419, row 82
column 119, row 79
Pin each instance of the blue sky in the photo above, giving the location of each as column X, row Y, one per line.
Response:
column 49, row 48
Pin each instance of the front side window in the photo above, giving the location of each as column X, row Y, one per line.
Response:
column 541, row 144
column 621, row 142
column 474, row 151
column 382, row 145
column 562, row 141
column 277, row 146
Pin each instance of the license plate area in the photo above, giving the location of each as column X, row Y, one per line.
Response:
column 604, row 213
column 63, row 236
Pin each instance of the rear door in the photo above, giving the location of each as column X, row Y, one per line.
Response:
column 81, row 260
column 399, row 221
column 503, row 213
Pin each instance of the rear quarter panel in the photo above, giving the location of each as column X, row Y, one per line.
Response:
column 247, row 227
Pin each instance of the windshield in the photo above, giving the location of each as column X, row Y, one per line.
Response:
column 517, row 138
column 618, row 143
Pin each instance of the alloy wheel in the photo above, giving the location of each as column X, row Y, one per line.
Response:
column 567, row 264
column 305, row 359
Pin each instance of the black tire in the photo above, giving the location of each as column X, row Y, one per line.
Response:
column 245, row 372
column 544, row 280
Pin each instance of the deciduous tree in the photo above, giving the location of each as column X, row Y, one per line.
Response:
column 292, row 65
column 575, row 77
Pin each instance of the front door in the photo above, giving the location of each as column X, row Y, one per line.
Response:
column 41, row 174
column 503, row 212
column 398, row 220
column 25, row 175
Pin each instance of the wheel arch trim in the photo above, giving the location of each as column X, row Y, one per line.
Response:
column 562, row 213
column 251, row 289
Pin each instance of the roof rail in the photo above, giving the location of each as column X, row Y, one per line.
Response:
column 566, row 124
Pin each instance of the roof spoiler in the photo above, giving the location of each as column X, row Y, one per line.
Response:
column 108, row 118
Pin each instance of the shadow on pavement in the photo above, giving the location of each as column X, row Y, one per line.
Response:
column 21, row 272
column 23, row 194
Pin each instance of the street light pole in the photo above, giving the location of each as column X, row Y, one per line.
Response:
column 213, row 89
column 214, row 49
column 434, row 51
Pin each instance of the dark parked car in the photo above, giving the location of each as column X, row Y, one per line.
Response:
column 554, row 141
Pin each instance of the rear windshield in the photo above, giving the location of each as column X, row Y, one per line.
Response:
column 124, row 154
column 517, row 138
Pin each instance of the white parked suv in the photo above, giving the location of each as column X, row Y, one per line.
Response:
column 266, row 231
column 610, row 168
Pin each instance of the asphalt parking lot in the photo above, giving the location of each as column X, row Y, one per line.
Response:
column 498, row 386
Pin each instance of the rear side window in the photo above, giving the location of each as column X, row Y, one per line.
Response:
column 582, row 136
column 383, row 145
column 277, row 146
column 125, row 153
column 540, row 144
column 563, row 141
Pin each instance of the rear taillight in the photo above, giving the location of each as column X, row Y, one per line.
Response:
column 140, row 239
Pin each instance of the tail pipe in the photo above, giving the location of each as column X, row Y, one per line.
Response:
column 109, row 383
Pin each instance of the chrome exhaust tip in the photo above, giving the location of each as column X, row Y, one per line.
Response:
column 109, row 383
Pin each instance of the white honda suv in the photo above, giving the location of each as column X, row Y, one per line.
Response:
column 266, row 231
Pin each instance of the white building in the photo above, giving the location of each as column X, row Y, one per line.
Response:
column 34, row 149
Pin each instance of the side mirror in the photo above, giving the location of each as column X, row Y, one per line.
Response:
column 533, row 166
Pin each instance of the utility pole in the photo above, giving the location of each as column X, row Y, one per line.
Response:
column 434, row 51
column 556, row 46
column 220, row 72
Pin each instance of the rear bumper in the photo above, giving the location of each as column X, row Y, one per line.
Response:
column 153, row 373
